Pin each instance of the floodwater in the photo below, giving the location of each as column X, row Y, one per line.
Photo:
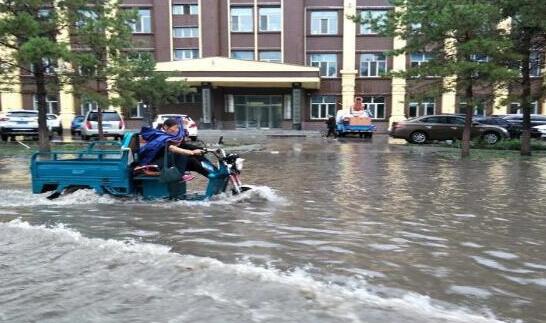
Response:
column 332, row 232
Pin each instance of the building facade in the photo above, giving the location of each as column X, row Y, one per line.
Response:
column 277, row 64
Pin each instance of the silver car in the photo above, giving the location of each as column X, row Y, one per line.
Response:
column 112, row 125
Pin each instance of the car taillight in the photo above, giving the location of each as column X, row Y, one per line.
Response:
column 121, row 124
column 397, row 125
column 88, row 125
column 193, row 125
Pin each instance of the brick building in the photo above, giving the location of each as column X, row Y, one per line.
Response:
column 277, row 64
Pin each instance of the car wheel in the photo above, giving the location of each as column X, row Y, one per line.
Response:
column 193, row 138
column 418, row 137
column 4, row 137
column 85, row 137
column 491, row 138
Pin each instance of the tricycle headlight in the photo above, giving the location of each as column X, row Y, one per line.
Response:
column 239, row 163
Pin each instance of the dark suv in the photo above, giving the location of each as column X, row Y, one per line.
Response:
column 444, row 127
column 517, row 122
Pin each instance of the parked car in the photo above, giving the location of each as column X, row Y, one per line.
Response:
column 189, row 124
column 501, row 122
column 517, row 121
column 25, row 123
column 444, row 127
column 75, row 125
column 54, row 124
column 540, row 130
column 112, row 125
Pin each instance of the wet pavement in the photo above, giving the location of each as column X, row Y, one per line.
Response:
column 334, row 231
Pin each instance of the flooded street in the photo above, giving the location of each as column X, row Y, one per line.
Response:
column 332, row 232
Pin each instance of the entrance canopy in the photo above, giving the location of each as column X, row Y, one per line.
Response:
column 228, row 72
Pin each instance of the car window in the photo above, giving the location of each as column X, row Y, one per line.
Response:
column 79, row 118
column 106, row 116
column 51, row 117
column 455, row 120
column 434, row 120
column 23, row 114
column 538, row 118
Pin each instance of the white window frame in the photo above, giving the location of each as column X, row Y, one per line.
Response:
column 374, row 66
column 233, row 52
column 323, row 61
column 143, row 25
column 240, row 19
column 420, row 58
column 373, row 107
column 475, row 112
column 187, row 53
column 271, row 60
column 422, row 107
column 535, row 63
column 272, row 18
column 324, row 22
column 50, row 66
column 517, row 106
column 185, row 9
column 139, row 108
column 185, row 32
column 88, row 105
column 52, row 102
column 324, row 108
column 366, row 28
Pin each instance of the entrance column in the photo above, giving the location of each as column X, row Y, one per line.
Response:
column 348, row 73
column 206, row 94
column 297, row 105
column 398, row 104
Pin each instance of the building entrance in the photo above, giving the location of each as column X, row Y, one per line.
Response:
column 253, row 111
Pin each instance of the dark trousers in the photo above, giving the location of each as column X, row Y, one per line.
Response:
column 331, row 131
column 184, row 163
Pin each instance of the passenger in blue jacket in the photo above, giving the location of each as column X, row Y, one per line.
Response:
column 184, row 157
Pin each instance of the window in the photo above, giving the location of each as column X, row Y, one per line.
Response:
column 85, row 16
column 137, row 111
column 480, row 58
column 270, row 56
column 323, row 106
column 185, row 32
column 246, row 55
column 185, row 9
column 270, row 19
column 49, row 66
column 435, row 120
column 375, row 105
column 515, row 108
column 137, row 55
column 371, row 15
column 88, row 105
column 143, row 23
column 535, row 63
column 373, row 64
column 190, row 98
column 479, row 108
column 183, row 54
column 52, row 103
column 423, row 108
column 241, row 20
column 416, row 59
column 327, row 64
column 324, row 23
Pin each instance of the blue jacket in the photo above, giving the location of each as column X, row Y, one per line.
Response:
column 155, row 143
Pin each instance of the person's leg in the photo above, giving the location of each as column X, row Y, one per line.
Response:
column 176, row 160
column 194, row 164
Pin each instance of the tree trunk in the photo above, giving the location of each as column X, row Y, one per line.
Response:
column 526, row 96
column 41, row 92
column 99, row 114
column 469, row 93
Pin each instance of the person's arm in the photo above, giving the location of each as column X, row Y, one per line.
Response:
column 186, row 152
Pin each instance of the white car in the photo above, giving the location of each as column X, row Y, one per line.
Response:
column 542, row 130
column 189, row 124
column 25, row 123
column 112, row 125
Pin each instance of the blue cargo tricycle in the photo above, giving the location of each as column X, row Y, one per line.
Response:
column 111, row 171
